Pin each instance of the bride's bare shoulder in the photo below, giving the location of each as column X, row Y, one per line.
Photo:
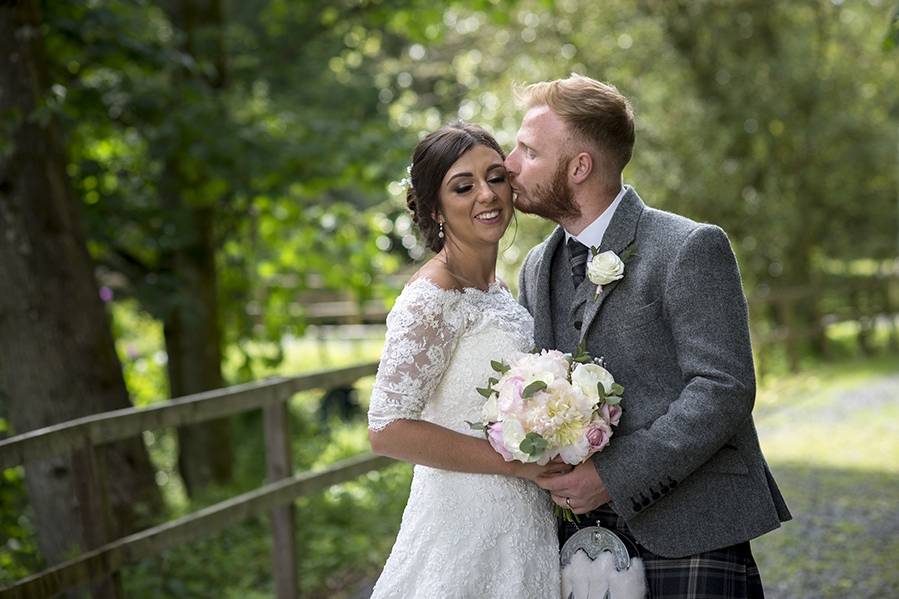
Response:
column 435, row 273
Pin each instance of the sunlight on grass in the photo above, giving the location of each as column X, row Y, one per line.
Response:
column 818, row 382
column 305, row 354
column 840, row 437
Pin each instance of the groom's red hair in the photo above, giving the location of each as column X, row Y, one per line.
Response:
column 593, row 110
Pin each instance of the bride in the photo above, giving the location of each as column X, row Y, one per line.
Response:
column 475, row 525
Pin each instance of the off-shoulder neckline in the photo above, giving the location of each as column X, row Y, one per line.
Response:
column 495, row 286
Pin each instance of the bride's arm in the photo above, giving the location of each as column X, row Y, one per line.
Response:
column 422, row 333
column 429, row 444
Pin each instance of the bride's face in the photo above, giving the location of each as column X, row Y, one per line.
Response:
column 476, row 198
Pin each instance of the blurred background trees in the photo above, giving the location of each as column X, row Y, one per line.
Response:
column 227, row 159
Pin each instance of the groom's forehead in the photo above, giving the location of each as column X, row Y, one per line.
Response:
column 541, row 122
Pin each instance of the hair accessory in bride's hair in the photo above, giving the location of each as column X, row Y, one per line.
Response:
column 406, row 181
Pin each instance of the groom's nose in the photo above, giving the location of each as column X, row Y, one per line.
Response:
column 510, row 162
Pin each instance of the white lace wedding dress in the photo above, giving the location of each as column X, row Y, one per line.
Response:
column 462, row 535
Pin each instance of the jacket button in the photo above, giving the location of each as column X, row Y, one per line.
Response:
column 636, row 506
column 654, row 494
column 644, row 500
column 577, row 324
column 672, row 482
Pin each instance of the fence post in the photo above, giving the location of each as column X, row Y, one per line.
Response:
column 888, row 311
column 788, row 320
column 279, row 464
column 89, row 480
column 757, row 340
column 864, row 328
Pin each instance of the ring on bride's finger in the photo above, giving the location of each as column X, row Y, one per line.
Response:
column 568, row 501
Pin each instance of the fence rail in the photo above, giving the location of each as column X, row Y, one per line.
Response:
column 105, row 557
column 774, row 321
column 788, row 316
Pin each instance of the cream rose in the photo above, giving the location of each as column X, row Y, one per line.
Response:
column 586, row 376
column 605, row 268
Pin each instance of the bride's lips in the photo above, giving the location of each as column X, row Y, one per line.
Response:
column 489, row 217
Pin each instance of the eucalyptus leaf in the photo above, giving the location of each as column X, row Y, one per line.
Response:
column 533, row 388
column 533, row 444
column 500, row 367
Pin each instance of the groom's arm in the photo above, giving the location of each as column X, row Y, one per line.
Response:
column 706, row 310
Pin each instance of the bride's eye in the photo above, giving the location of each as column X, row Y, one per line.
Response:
column 497, row 179
column 464, row 188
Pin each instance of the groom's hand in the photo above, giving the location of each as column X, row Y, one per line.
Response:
column 582, row 487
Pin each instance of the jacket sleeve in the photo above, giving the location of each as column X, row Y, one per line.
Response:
column 706, row 311
column 524, row 279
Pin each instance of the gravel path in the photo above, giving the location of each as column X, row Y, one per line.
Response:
column 844, row 539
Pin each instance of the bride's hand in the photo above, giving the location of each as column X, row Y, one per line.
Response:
column 533, row 471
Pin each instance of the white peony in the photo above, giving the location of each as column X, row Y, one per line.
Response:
column 561, row 416
column 547, row 366
column 605, row 268
column 586, row 376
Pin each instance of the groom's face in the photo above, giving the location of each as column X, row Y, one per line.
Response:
column 538, row 167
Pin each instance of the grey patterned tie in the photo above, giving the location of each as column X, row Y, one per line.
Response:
column 577, row 259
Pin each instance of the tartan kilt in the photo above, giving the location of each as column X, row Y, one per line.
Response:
column 726, row 573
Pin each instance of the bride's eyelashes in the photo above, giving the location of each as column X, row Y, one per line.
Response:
column 496, row 179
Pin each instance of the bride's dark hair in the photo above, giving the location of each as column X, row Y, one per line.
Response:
column 433, row 156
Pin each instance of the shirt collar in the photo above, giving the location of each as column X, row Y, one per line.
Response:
column 593, row 234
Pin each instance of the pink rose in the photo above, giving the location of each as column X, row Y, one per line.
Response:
column 611, row 414
column 495, row 436
column 598, row 435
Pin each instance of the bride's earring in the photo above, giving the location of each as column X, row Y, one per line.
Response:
column 440, row 232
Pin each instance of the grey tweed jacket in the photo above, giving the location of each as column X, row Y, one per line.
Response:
column 684, row 467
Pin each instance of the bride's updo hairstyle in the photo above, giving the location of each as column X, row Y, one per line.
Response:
column 433, row 157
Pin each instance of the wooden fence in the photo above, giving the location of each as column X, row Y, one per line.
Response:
column 104, row 557
column 790, row 316
column 774, row 320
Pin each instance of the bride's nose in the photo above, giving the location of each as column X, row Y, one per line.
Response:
column 486, row 193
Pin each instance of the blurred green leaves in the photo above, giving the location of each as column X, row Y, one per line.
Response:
column 774, row 121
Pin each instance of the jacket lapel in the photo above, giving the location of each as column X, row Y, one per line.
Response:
column 620, row 234
column 543, row 330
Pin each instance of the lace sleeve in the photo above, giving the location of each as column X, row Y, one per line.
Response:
column 422, row 329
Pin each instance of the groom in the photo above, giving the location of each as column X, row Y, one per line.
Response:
column 683, row 477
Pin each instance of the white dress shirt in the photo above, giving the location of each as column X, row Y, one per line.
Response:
column 592, row 235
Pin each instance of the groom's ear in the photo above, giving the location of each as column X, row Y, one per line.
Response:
column 581, row 167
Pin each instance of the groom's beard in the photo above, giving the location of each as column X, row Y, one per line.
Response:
column 554, row 201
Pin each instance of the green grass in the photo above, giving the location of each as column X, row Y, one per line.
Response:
column 831, row 436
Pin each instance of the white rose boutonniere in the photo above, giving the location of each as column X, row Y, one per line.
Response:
column 607, row 267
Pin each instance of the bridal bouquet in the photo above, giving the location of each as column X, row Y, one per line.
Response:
column 548, row 404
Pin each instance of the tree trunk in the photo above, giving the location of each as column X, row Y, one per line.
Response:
column 192, row 330
column 193, row 342
column 57, row 357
